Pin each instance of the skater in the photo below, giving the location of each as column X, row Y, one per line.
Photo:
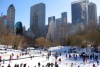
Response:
column 60, row 60
column 3, row 60
column 17, row 65
column 12, row 54
column 10, row 58
column 56, row 65
column 60, row 53
column 47, row 57
column 94, row 65
column 8, row 65
column 30, row 56
column 97, row 62
column 71, row 65
column 91, row 57
column 52, row 64
column 48, row 65
column 21, row 64
column 24, row 65
column 69, row 56
column 66, row 55
column 0, row 58
column 39, row 64
column 84, row 60
column 56, row 56
column 17, row 56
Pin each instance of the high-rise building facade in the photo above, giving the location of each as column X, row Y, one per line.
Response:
column 92, row 12
column 37, row 19
column 51, row 18
column 99, row 19
column 58, row 22
column 11, row 18
column 4, row 19
column 79, row 11
column 51, row 29
column 64, row 17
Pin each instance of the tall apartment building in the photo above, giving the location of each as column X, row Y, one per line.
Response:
column 64, row 17
column 99, row 19
column 84, row 12
column 79, row 11
column 37, row 20
column 11, row 18
column 51, row 18
column 51, row 28
column 92, row 13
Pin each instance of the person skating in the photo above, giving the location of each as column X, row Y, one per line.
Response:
column 56, row 65
column 60, row 60
column 3, row 60
column 56, row 56
column 60, row 53
column 52, row 64
column 8, row 65
column 84, row 60
column 66, row 55
column 0, row 60
column 15, row 65
column 10, row 58
column 17, row 56
column 71, row 65
column 91, row 57
column 97, row 62
column 48, row 65
column 39, row 64
column 94, row 65
column 21, row 64
column 24, row 65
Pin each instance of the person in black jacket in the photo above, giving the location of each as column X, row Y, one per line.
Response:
column 8, row 65
column 56, row 65
column 39, row 64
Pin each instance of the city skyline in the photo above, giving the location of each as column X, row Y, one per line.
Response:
column 53, row 8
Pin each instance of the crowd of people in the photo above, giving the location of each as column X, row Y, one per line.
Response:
column 83, row 56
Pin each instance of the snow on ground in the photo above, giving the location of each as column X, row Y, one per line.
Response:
column 66, row 62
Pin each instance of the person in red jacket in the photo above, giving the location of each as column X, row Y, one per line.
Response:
column 0, row 58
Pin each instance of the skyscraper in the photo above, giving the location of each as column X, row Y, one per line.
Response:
column 11, row 18
column 79, row 11
column 4, row 18
column 58, row 22
column 51, row 18
column 51, row 28
column 99, row 19
column 37, row 19
column 64, row 17
column 92, row 12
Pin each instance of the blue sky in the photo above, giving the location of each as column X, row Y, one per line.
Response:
column 53, row 8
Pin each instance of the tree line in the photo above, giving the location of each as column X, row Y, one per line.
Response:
column 90, row 35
